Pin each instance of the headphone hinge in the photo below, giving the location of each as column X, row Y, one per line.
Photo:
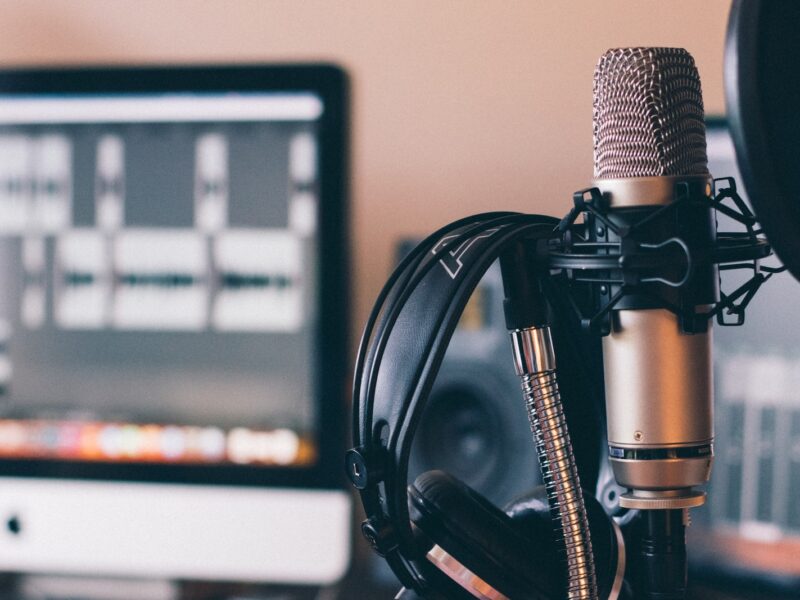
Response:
column 380, row 535
column 365, row 469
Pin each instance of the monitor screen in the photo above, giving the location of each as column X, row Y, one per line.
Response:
column 159, row 269
column 173, row 296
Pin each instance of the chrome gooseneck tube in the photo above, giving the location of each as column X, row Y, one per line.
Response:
column 535, row 363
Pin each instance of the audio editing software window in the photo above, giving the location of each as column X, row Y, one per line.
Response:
column 157, row 275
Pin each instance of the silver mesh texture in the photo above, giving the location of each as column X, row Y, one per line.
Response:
column 648, row 114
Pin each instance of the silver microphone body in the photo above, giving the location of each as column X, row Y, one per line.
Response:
column 649, row 146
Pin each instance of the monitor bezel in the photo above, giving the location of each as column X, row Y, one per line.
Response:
column 328, row 82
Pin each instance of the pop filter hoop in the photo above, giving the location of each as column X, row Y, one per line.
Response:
column 762, row 91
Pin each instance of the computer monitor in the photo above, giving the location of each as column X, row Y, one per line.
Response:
column 173, row 322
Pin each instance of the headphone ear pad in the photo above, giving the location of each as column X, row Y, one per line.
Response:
column 484, row 539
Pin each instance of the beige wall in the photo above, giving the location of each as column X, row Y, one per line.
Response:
column 459, row 106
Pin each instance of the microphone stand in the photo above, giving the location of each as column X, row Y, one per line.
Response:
column 528, row 323
column 657, row 536
column 663, row 566
column 559, row 275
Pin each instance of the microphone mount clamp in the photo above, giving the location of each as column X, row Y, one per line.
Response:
column 646, row 257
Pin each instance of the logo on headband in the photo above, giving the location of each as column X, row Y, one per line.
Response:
column 452, row 260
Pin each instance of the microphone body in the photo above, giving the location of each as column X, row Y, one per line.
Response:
column 651, row 169
column 658, row 377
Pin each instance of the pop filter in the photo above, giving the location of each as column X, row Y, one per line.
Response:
column 762, row 89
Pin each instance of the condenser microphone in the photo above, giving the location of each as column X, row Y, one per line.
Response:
column 650, row 166
column 651, row 171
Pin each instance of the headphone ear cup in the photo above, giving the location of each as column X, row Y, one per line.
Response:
column 531, row 513
column 483, row 539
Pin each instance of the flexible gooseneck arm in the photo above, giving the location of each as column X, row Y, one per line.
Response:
column 535, row 363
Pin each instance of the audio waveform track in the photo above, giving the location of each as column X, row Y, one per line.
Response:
column 238, row 281
column 162, row 280
column 108, row 274
column 170, row 279
column 259, row 282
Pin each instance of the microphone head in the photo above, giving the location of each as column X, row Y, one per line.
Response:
column 648, row 114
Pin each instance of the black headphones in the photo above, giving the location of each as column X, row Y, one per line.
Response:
column 441, row 538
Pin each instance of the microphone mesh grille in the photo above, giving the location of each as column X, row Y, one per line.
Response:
column 648, row 114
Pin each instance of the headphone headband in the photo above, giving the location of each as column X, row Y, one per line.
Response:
column 423, row 303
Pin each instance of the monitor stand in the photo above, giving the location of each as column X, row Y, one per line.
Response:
column 65, row 587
